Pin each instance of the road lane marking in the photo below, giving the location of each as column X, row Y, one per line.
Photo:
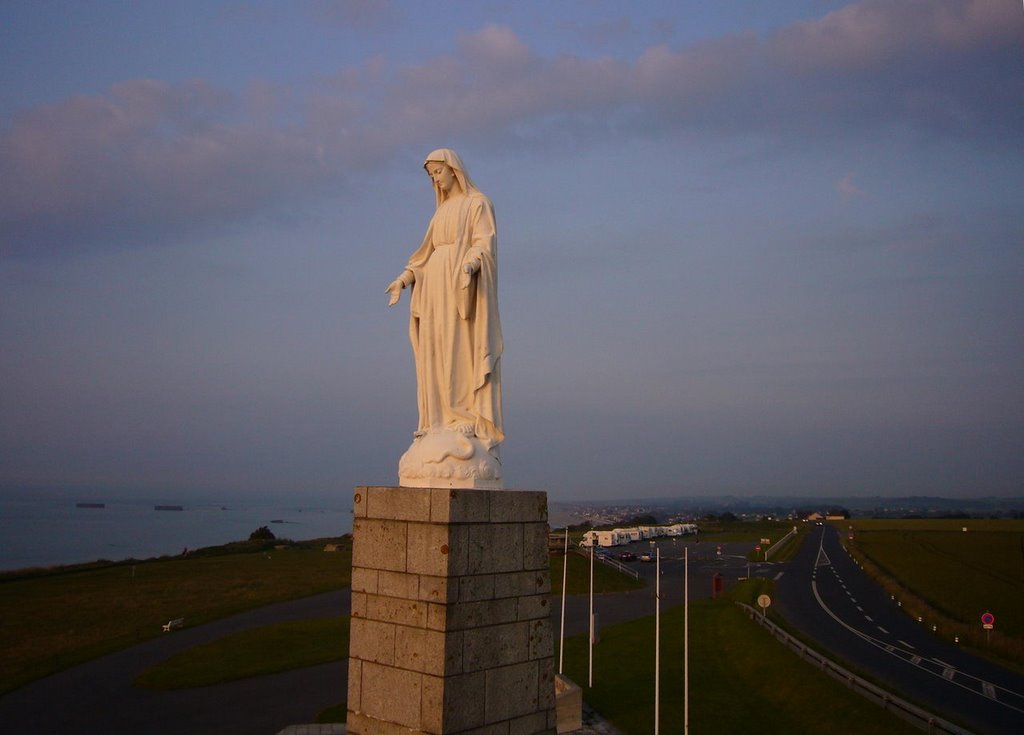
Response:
column 778, row 576
column 869, row 618
column 916, row 660
column 948, row 674
column 987, row 689
column 903, row 643
column 883, row 630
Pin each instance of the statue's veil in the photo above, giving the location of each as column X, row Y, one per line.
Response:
column 450, row 157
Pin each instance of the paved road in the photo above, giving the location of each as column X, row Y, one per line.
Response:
column 98, row 697
column 705, row 562
column 827, row 596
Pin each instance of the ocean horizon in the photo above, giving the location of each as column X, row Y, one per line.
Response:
column 45, row 530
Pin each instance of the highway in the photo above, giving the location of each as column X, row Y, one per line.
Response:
column 824, row 594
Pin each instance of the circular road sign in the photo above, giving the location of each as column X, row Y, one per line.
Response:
column 764, row 600
column 988, row 619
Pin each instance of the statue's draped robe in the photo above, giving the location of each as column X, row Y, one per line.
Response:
column 455, row 332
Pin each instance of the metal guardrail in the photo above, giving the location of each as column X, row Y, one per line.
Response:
column 903, row 709
column 614, row 563
column 779, row 544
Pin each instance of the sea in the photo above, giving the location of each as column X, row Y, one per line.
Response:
column 46, row 529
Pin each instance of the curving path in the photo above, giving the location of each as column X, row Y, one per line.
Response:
column 98, row 697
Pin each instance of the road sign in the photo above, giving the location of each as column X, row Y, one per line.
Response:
column 988, row 621
column 764, row 600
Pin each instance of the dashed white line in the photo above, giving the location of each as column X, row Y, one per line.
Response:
column 956, row 678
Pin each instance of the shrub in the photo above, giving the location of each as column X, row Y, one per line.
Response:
column 262, row 534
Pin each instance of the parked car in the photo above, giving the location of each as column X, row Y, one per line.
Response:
column 627, row 556
column 646, row 557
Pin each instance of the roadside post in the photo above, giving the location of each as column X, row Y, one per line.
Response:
column 763, row 602
column 988, row 622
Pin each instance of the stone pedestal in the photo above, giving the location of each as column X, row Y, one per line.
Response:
column 451, row 629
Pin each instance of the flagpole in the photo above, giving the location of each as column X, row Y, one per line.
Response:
column 657, row 641
column 565, row 569
column 590, row 664
column 686, row 640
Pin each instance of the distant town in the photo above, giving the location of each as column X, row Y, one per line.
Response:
column 666, row 511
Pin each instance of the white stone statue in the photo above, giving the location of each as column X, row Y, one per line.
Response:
column 456, row 337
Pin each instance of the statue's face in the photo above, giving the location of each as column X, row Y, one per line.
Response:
column 442, row 175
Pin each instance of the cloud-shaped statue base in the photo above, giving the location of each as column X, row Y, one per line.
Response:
column 449, row 458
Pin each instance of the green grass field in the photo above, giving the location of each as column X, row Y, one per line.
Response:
column 741, row 679
column 255, row 652
column 751, row 531
column 56, row 619
column 950, row 577
column 606, row 579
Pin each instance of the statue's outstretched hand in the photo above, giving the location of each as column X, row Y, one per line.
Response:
column 395, row 289
column 468, row 269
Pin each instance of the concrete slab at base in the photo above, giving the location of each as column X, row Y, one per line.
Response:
column 568, row 704
column 451, row 630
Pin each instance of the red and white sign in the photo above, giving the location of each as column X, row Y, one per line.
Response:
column 988, row 621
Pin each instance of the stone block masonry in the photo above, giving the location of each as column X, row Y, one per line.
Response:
column 451, row 631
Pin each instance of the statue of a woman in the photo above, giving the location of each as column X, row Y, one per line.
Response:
column 456, row 336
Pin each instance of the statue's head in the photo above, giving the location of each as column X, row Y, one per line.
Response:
column 446, row 170
column 443, row 176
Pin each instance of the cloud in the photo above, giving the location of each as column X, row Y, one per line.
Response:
column 149, row 160
column 141, row 160
column 875, row 33
column 847, row 189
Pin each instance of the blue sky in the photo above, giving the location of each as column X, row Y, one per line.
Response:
column 744, row 247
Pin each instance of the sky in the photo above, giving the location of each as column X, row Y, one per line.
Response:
column 743, row 247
